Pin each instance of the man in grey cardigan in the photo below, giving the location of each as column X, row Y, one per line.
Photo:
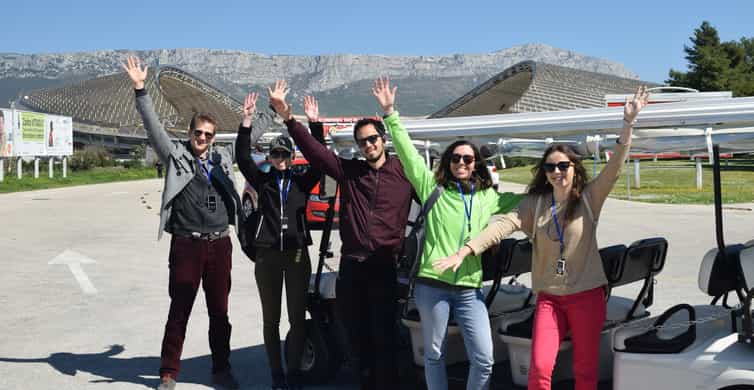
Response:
column 199, row 201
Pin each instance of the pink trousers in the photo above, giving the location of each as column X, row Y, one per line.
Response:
column 583, row 314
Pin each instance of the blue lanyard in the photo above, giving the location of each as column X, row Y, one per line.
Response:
column 283, row 193
column 205, row 168
column 466, row 208
column 557, row 226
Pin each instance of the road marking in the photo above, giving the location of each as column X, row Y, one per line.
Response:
column 74, row 260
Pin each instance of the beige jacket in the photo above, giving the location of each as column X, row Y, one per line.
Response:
column 584, row 269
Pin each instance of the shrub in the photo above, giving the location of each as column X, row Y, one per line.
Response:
column 90, row 157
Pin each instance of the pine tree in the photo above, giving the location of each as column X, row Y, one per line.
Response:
column 715, row 65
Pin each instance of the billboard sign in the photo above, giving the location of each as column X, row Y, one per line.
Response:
column 32, row 134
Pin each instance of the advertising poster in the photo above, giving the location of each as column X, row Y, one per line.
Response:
column 6, row 133
column 30, row 134
column 58, row 135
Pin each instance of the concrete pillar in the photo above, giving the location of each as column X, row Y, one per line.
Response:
column 637, row 177
column 20, row 168
column 2, row 170
column 51, row 163
column 36, row 167
column 698, row 174
column 65, row 166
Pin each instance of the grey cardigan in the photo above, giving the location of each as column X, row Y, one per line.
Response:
column 179, row 161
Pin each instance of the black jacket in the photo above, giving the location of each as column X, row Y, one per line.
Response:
column 266, row 230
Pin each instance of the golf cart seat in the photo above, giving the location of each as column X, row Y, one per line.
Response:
column 673, row 331
column 640, row 262
column 511, row 257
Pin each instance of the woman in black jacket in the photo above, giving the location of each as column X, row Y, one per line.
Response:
column 281, row 238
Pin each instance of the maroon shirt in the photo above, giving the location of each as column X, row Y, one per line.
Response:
column 374, row 203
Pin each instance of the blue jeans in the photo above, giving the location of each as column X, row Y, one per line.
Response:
column 470, row 313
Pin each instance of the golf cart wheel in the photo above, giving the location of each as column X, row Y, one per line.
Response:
column 319, row 361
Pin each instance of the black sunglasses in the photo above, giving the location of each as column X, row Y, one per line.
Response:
column 467, row 158
column 280, row 154
column 562, row 166
column 372, row 139
column 207, row 134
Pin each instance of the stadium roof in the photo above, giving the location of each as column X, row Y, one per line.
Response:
column 531, row 86
column 109, row 101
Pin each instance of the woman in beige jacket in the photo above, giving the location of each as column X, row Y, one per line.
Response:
column 559, row 214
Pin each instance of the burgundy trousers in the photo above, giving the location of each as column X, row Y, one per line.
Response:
column 193, row 261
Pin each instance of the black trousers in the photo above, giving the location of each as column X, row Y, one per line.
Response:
column 366, row 297
column 272, row 268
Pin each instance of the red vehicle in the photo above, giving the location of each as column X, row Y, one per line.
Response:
column 315, row 206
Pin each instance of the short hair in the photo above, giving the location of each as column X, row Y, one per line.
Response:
column 203, row 117
column 378, row 125
column 2, row 114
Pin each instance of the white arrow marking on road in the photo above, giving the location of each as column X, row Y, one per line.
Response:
column 74, row 260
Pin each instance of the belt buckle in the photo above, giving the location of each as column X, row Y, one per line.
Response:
column 196, row 235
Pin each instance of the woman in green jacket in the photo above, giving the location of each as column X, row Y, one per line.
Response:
column 461, row 212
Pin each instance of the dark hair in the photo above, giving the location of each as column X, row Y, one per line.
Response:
column 200, row 117
column 378, row 125
column 481, row 176
column 2, row 115
column 541, row 186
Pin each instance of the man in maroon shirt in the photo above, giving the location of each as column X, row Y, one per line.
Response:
column 375, row 198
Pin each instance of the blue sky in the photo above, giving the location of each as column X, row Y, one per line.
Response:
column 646, row 36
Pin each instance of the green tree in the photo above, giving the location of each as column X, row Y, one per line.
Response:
column 715, row 65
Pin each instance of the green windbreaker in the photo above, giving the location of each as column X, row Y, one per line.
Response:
column 446, row 229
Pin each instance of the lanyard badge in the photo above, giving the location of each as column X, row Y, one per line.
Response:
column 560, row 264
column 283, row 199
column 467, row 208
column 211, row 201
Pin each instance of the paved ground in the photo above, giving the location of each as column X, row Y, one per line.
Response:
column 58, row 331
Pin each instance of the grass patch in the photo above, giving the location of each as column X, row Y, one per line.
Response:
column 670, row 181
column 75, row 178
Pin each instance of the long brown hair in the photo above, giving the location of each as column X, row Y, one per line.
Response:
column 539, row 185
column 481, row 176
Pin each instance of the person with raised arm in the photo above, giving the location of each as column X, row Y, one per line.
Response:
column 281, row 238
column 560, row 214
column 462, row 210
column 375, row 198
column 199, row 201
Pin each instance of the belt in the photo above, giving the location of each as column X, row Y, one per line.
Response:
column 205, row 236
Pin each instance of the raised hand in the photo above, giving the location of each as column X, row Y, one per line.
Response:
column 384, row 94
column 135, row 71
column 633, row 106
column 277, row 99
column 249, row 108
column 311, row 108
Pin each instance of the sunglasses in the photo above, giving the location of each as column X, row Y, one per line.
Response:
column 467, row 158
column 207, row 134
column 372, row 139
column 280, row 154
column 562, row 166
